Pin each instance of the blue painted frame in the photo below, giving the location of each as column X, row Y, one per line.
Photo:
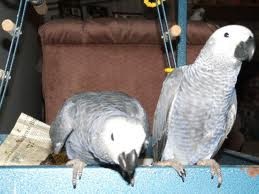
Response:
column 182, row 45
column 57, row 179
column 147, row 180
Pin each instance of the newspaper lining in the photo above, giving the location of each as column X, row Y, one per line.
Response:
column 27, row 144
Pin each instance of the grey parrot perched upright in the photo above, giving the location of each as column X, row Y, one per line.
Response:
column 197, row 105
column 100, row 128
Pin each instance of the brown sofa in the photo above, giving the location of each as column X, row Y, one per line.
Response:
column 107, row 54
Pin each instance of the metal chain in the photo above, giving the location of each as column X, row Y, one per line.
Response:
column 165, row 34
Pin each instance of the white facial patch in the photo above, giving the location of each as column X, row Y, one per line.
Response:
column 227, row 38
column 122, row 135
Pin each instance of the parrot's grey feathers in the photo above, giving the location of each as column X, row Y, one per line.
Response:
column 231, row 117
column 62, row 127
column 159, row 146
column 231, row 114
column 101, row 128
column 98, row 126
column 197, row 105
column 169, row 91
column 212, row 136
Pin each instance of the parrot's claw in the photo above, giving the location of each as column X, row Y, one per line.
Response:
column 132, row 182
column 78, row 167
column 214, row 169
column 174, row 164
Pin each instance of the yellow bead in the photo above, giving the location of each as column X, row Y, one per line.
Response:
column 169, row 70
column 151, row 4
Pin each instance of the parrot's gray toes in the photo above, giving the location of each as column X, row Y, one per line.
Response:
column 179, row 169
column 181, row 173
column 78, row 167
column 219, row 180
column 215, row 169
column 79, row 174
column 74, row 183
column 174, row 164
column 184, row 172
column 132, row 182
column 212, row 172
column 182, row 177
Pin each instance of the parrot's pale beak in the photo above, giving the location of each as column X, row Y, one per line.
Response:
column 128, row 164
column 245, row 50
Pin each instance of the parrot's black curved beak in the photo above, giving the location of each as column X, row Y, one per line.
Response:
column 128, row 164
column 245, row 50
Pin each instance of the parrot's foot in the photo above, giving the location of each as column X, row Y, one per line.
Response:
column 174, row 164
column 78, row 167
column 214, row 169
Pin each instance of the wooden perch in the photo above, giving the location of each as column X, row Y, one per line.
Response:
column 8, row 26
column 2, row 74
column 175, row 31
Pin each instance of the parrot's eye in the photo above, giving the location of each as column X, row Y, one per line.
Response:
column 112, row 137
column 226, row 35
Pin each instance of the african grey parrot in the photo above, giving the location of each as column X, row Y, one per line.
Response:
column 101, row 128
column 197, row 105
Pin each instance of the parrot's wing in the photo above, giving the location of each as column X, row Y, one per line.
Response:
column 211, row 140
column 167, row 95
column 231, row 114
column 231, row 117
column 62, row 126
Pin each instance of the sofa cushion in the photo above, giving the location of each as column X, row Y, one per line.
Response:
column 86, row 56
column 106, row 54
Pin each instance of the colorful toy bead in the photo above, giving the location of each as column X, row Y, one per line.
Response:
column 152, row 4
column 169, row 70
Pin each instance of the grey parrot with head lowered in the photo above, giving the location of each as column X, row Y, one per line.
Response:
column 101, row 128
column 197, row 105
